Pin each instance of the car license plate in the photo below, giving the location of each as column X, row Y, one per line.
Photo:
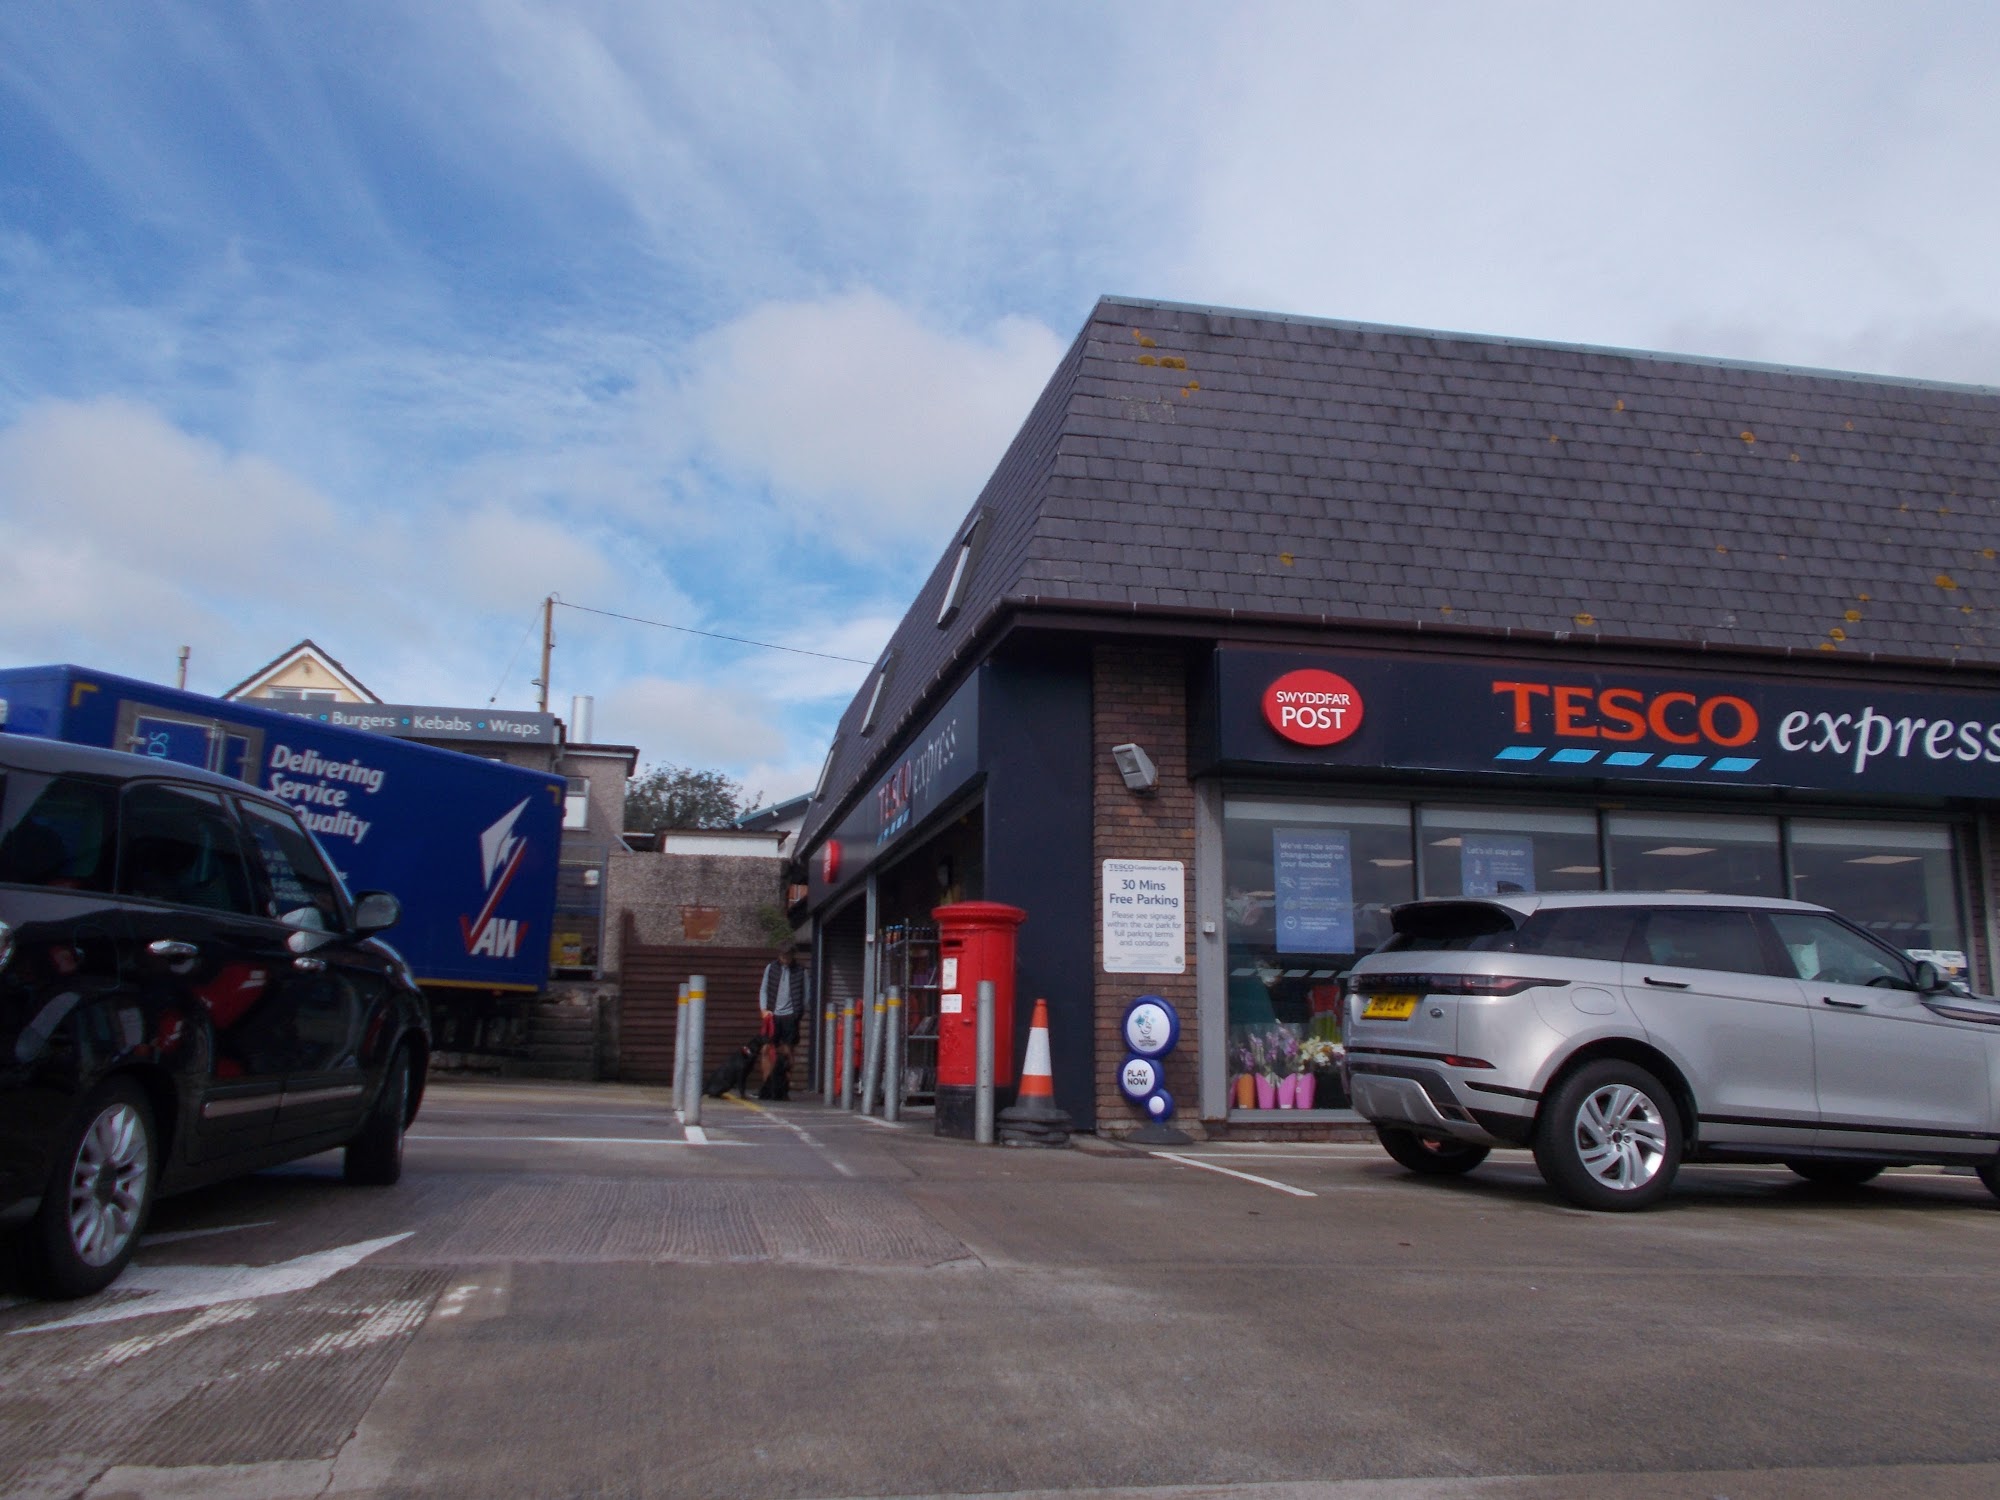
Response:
column 1390, row 1008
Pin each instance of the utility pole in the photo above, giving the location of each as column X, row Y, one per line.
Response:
column 548, row 645
column 182, row 682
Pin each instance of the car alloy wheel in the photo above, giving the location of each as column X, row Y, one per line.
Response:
column 107, row 1184
column 1620, row 1137
column 1609, row 1137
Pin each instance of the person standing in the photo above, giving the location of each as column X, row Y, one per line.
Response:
column 782, row 996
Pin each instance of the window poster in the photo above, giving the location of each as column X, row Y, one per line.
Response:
column 1496, row 865
column 1313, row 870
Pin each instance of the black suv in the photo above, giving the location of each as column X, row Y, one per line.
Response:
column 187, row 993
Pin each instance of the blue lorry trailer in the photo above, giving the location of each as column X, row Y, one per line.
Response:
column 469, row 846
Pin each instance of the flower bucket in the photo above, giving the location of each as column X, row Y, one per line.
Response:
column 1246, row 1091
column 1302, row 1096
column 1287, row 1086
column 1267, row 1092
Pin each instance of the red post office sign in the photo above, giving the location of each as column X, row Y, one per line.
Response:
column 1311, row 707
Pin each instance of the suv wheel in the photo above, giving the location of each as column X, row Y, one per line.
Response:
column 97, row 1198
column 374, row 1157
column 1989, row 1173
column 1839, row 1174
column 1428, row 1156
column 1609, row 1137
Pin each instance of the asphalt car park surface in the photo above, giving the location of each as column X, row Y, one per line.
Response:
column 571, row 1294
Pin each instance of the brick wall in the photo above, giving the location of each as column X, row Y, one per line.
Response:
column 1139, row 694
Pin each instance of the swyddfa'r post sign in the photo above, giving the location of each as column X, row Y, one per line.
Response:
column 1145, row 916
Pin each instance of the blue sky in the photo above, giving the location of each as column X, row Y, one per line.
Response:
column 376, row 323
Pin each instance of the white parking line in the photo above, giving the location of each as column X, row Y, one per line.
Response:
column 172, row 1236
column 586, row 1140
column 1189, row 1161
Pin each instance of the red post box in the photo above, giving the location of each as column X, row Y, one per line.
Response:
column 975, row 942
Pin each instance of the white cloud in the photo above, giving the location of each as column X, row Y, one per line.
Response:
column 870, row 428
column 688, row 723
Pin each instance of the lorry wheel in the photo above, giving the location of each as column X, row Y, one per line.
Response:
column 374, row 1158
column 97, row 1197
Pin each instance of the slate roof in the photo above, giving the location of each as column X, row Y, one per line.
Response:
column 1203, row 461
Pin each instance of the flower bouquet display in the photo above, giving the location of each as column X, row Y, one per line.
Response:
column 1316, row 1055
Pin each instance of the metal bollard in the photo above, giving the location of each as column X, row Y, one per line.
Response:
column 871, row 1078
column 892, row 1042
column 680, row 1050
column 697, row 1037
column 982, row 1079
column 846, row 1046
column 829, row 1024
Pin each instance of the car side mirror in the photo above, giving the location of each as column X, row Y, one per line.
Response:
column 376, row 911
column 1929, row 981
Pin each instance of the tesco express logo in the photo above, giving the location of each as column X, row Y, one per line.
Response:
column 1311, row 707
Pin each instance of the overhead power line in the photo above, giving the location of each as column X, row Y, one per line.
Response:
column 713, row 635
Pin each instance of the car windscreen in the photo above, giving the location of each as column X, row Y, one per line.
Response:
column 56, row 831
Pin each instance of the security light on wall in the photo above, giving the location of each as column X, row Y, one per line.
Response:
column 1136, row 766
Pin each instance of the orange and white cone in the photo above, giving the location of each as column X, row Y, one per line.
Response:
column 1034, row 1120
column 1037, row 1081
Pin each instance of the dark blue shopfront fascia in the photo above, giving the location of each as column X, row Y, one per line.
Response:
column 936, row 763
column 1016, row 734
column 1531, row 722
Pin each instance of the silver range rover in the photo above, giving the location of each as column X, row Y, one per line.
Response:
column 1621, row 1035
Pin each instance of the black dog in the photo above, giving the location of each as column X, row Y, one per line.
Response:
column 777, row 1083
column 733, row 1074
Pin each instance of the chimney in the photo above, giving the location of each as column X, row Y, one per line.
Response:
column 579, row 719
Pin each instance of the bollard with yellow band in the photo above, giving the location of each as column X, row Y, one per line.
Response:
column 892, row 1043
column 697, row 1037
column 680, row 1049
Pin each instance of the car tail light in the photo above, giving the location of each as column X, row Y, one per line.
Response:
column 1449, row 984
column 1453, row 1060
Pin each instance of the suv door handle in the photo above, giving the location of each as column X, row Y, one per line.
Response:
column 178, row 957
column 1843, row 1004
column 1667, row 984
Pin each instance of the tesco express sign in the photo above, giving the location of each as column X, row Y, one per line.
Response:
column 1311, row 707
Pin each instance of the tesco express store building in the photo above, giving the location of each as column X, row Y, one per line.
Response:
column 1390, row 614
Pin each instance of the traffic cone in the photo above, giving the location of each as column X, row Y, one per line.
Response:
column 1033, row 1119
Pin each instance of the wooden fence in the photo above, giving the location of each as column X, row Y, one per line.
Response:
column 650, row 978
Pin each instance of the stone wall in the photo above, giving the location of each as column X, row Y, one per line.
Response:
column 657, row 888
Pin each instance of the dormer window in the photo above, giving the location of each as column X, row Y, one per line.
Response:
column 825, row 769
column 961, row 570
column 875, row 693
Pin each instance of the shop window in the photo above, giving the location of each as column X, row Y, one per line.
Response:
column 1695, row 854
column 1492, row 851
column 1897, row 880
column 1309, row 886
